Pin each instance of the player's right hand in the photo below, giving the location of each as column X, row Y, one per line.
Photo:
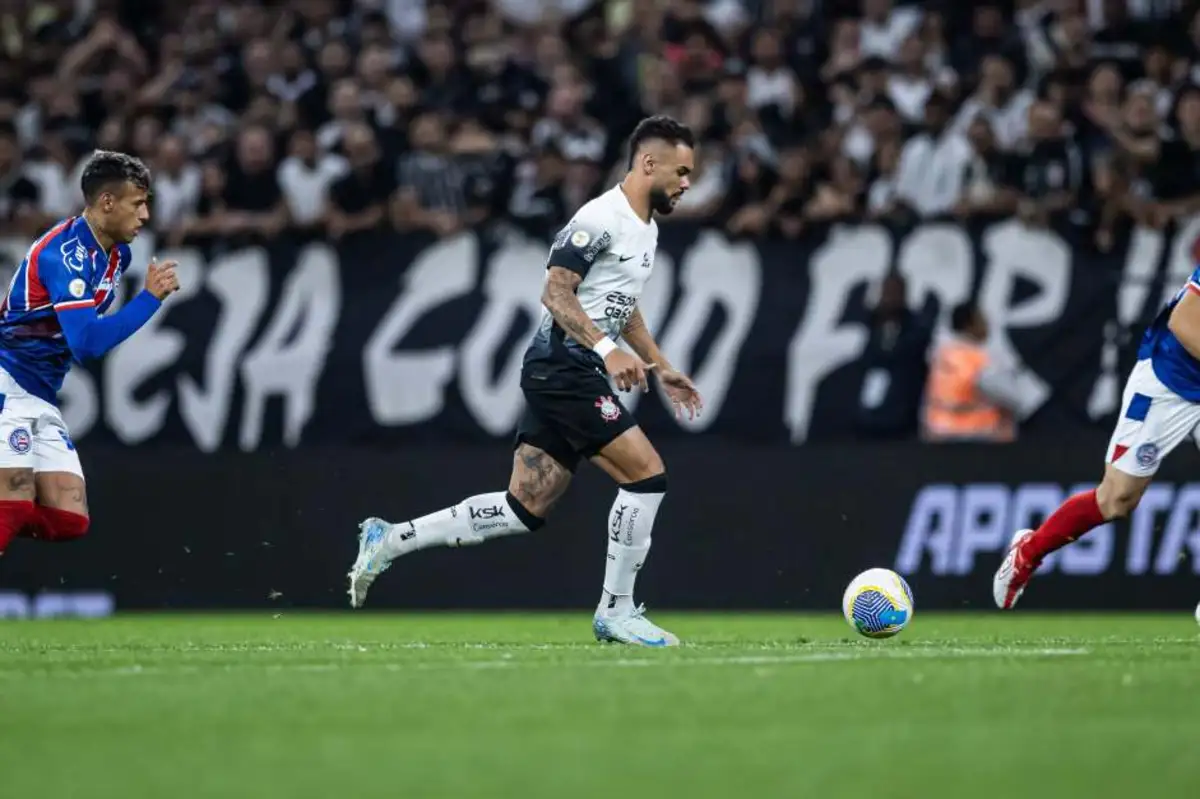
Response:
column 161, row 279
column 627, row 370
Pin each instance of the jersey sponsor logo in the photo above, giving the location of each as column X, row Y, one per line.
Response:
column 487, row 513
column 598, row 245
column 610, row 411
column 619, row 306
column 74, row 255
column 20, row 441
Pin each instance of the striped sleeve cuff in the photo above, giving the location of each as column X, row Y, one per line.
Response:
column 73, row 305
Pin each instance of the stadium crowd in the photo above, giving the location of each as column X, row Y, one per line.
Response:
column 333, row 116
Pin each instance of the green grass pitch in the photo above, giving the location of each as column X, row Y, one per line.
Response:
column 527, row 706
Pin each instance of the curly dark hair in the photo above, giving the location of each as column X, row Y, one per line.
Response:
column 107, row 170
column 661, row 128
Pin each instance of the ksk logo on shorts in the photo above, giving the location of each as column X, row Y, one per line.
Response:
column 20, row 441
column 610, row 411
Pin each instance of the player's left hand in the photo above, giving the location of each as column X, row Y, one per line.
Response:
column 682, row 392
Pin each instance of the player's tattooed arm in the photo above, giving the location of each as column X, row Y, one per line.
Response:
column 559, row 298
column 638, row 336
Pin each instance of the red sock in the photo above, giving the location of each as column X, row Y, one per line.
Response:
column 53, row 524
column 14, row 515
column 1076, row 516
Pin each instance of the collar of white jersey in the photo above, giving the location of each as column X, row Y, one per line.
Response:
column 622, row 202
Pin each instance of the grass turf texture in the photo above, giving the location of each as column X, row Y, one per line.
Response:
column 527, row 706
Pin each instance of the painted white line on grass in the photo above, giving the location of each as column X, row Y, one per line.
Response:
column 650, row 660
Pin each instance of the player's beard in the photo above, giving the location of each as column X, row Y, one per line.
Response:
column 660, row 201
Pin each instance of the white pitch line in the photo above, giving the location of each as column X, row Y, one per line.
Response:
column 649, row 661
column 767, row 660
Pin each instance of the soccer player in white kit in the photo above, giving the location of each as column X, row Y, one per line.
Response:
column 1159, row 409
column 598, row 266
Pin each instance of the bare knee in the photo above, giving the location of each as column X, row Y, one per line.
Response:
column 631, row 458
column 1119, row 494
column 538, row 480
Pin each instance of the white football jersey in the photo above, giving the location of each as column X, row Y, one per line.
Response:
column 613, row 249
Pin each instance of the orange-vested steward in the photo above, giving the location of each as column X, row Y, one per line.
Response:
column 954, row 408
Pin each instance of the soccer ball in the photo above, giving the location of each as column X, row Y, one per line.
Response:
column 878, row 603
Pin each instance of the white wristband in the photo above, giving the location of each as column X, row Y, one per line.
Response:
column 604, row 346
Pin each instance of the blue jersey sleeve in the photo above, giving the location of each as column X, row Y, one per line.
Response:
column 88, row 334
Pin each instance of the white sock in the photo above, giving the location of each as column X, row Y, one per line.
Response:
column 472, row 521
column 629, row 525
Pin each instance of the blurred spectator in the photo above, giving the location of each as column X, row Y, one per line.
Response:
column 894, row 365
column 1053, row 170
column 176, row 188
column 989, row 185
column 1000, row 101
column 910, row 84
column 305, row 177
column 431, row 185
column 358, row 200
column 884, row 28
column 254, row 206
column 933, row 163
column 537, row 203
column 970, row 395
column 19, row 195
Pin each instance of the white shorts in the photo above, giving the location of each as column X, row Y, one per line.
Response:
column 33, row 434
column 1154, row 420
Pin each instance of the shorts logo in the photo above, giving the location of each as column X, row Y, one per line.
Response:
column 610, row 411
column 67, row 440
column 20, row 441
column 1147, row 454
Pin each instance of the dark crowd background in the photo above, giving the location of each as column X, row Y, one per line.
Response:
column 334, row 116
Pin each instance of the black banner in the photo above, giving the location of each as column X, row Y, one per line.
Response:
column 743, row 527
column 398, row 339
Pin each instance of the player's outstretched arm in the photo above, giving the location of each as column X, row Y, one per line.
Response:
column 91, row 336
column 679, row 387
column 641, row 340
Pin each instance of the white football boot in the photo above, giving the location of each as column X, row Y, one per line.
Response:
column 632, row 628
column 1014, row 573
column 371, row 561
